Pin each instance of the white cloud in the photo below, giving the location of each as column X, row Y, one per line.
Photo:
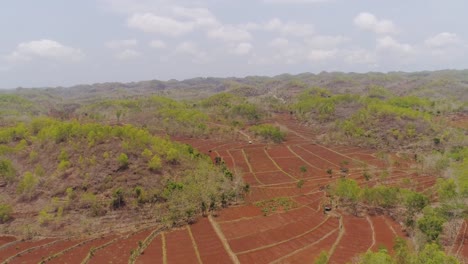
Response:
column 187, row 48
column 157, row 44
column 128, row 54
column 45, row 48
column 370, row 22
column 388, row 43
column 321, row 54
column 360, row 56
column 290, row 28
column 201, row 17
column 229, row 33
column 324, row 42
column 152, row 23
column 443, row 39
column 279, row 43
column 190, row 48
column 243, row 48
column 122, row 44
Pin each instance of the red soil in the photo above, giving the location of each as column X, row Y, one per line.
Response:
column 209, row 245
column 384, row 235
column 279, row 151
column 180, row 248
column 282, row 233
column 293, row 166
column 259, row 160
column 294, row 236
column 12, row 250
column 79, row 253
column 313, row 159
column 273, row 177
column 331, row 156
column 357, row 239
column 247, row 226
column 6, row 239
column 238, row 212
column 310, row 252
column 39, row 254
column 284, row 248
column 122, row 246
column 153, row 253
column 239, row 160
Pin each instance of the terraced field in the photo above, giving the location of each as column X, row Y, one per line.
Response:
column 248, row 233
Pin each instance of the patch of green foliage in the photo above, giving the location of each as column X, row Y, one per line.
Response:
column 7, row 171
column 232, row 109
column 429, row 254
column 377, row 119
column 269, row 132
column 5, row 212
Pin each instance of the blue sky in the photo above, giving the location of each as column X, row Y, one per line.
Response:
column 62, row 43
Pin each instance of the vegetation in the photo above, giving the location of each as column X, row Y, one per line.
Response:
column 276, row 204
column 5, row 213
column 269, row 132
column 431, row 253
column 100, row 159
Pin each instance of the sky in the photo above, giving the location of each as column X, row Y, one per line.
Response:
column 63, row 42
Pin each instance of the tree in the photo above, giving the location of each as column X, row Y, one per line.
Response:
column 447, row 189
column 348, row 190
column 431, row 225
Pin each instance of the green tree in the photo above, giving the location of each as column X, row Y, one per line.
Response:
column 431, row 225
column 433, row 254
column 348, row 190
column 447, row 189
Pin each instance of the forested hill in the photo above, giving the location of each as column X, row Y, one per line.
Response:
column 436, row 84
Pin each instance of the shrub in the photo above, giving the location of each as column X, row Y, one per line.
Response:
column 27, row 185
column 7, row 171
column 348, row 190
column 118, row 198
column 155, row 163
column 269, row 132
column 123, row 160
column 5, row 213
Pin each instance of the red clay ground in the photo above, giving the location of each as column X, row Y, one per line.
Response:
column 13, row 250
column 6, row 239
column 244, row 233
column 79, row 253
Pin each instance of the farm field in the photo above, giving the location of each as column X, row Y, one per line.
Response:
column 279, row 222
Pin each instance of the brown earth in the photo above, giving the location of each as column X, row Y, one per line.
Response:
column 244, row 233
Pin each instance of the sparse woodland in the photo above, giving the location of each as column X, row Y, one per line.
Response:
column 72, row 156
